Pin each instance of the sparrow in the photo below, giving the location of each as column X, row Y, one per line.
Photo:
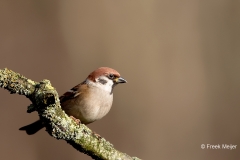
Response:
column 88, row 101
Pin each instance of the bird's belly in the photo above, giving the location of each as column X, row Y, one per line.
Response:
column 95, row 109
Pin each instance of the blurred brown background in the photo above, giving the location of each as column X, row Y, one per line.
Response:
column 181, row 59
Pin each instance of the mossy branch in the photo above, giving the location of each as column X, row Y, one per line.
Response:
column 45, row 101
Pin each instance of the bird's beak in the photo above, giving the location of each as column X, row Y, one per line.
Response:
column 120, row 80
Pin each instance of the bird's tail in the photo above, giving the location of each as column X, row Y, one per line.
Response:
column 33, row 127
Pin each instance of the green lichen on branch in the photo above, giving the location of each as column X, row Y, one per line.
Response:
column 16, row 83
column 45, row 101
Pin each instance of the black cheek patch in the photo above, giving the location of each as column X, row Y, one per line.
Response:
column 102, row 81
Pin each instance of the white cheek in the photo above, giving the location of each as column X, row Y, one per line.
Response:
column 108, row 86
column 104, row 87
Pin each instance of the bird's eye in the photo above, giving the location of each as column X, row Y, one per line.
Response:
column 111, row 76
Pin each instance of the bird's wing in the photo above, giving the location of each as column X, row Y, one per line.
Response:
column 72, row 93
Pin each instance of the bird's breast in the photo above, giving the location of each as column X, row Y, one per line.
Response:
column 95, row 106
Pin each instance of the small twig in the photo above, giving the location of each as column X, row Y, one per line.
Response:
column 45, row 101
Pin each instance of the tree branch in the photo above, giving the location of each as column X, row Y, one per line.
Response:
column 45, row 101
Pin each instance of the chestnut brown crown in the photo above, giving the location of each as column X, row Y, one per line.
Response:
column 108, row 72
